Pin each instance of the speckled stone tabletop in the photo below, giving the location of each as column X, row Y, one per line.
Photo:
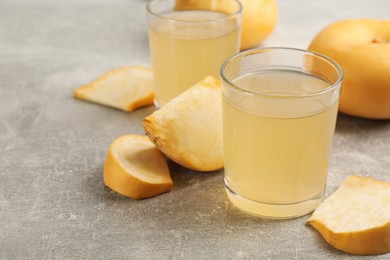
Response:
column 53, row 204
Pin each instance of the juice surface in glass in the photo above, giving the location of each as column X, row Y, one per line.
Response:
column 187, row 46
column 275, row 155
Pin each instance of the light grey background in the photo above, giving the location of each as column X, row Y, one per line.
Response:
column 53, row 204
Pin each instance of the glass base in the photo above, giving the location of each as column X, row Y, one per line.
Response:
column 273, row 211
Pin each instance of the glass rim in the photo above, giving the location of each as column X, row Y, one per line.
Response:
column 332, row 87
column 228, row 16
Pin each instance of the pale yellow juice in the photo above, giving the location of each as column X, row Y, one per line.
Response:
column 278, row 153
column 183, row 53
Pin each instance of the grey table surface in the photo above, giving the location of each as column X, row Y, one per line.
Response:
column 53, row 204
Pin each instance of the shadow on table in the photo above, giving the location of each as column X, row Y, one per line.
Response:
column 350, row 124
column 183, row 177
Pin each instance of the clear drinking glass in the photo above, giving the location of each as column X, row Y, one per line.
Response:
column 190, row 40
column 279, row 113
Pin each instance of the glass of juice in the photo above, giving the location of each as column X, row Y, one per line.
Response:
column 279, row 114
column 190, row 40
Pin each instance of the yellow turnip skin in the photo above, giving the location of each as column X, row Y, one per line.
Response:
column 362, row 48
column 259, row 19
